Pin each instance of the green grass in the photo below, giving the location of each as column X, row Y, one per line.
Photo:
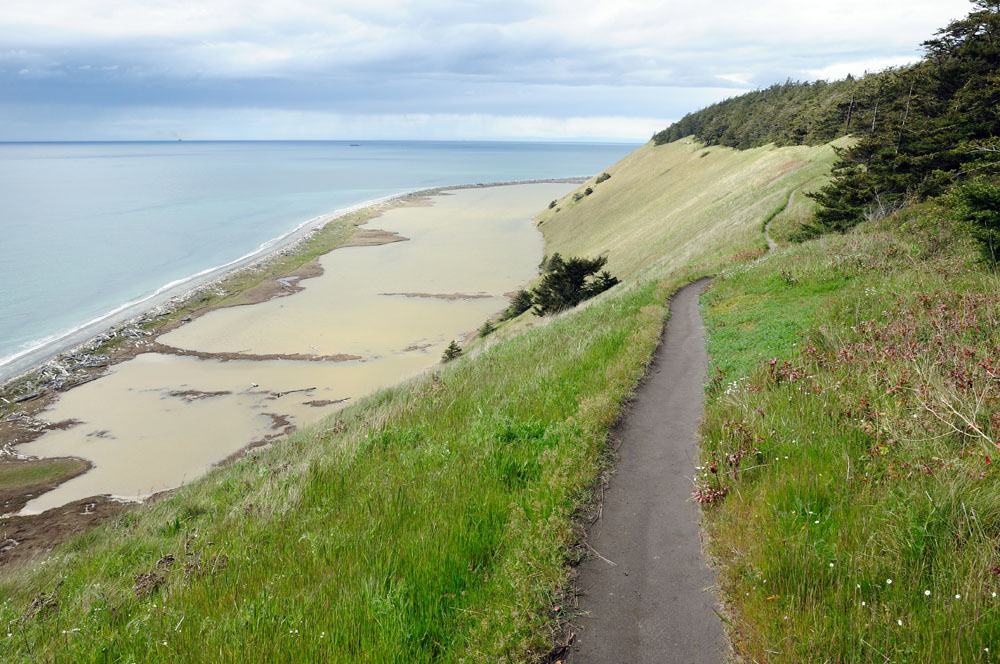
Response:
column 16, row 475
column 777, row 211
column 433, row 521
column 790, row 221
column 430, row 523
column 849, row 369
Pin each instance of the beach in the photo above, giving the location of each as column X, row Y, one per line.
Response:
column 95, row 234
column 181, row 397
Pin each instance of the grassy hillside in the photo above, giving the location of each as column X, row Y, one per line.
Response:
column 430, row 522
column 857, row 380
column 680, row 206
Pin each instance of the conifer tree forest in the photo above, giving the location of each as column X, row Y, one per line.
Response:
column 918, row 131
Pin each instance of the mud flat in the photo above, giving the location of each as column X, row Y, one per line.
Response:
column 360, row 318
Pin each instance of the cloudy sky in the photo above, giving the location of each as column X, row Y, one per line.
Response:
column 432, row 69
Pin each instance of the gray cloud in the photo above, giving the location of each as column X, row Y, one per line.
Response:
column 395, row 58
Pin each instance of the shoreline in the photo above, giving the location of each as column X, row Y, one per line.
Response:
column 24, row 396
column 24, row 400
column 82, row 338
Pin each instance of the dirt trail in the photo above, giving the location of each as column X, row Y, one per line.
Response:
column 647, row 590
column 771, row 244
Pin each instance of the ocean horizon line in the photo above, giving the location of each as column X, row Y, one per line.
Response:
column 490, row 141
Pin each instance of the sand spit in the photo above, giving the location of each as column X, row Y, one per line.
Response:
column 442, row 296
column 236, row 376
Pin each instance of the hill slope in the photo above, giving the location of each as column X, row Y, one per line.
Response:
column 432, row 521
column 850, row 439
column 680, row 206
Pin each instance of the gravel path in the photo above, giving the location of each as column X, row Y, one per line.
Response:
column 647, row 592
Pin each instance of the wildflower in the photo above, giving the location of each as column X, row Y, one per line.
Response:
column 862, row 603
column 706, row 494
column 899, row 622
column 927, row 592
column 958, row 597
column 831, row 564
column 888, row 582
column 816, row 521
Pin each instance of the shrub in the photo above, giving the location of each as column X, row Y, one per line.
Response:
column 520, row 303
column 567, row 285
column 451, row 352
column 554, row 263
column 588, row 191
column 552, row 204
column 977, row 206
column 487, row 329
column 603, row 176
column 577, row 196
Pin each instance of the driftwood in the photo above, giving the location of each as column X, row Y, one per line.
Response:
column 278, row 395
column 29, row 397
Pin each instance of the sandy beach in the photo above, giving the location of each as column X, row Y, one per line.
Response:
column 362, row 317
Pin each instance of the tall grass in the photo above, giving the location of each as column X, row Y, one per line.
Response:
column 429, row 523
column 854, row 437
column 666, row 210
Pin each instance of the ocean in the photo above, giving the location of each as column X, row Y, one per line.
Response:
column 90, row 233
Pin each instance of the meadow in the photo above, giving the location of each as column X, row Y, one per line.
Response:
column 849, row 446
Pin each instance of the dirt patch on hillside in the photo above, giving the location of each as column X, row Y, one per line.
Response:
column 24, row 539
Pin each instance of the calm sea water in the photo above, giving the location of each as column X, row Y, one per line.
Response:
column 86, row 228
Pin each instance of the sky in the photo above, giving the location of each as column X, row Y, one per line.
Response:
column 422, row 69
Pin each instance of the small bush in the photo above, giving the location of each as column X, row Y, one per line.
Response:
column 588, row 191
column 452, row 352
column 603, row 177
column 487, row 329
column 520, row 303
column 577, row 196
column 552, row 204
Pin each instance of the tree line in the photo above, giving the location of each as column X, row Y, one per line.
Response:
column 920, row 131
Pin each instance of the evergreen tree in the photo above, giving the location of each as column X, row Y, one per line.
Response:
column 568, row 285
column 487, row 329
column 520, row 303
column 977, row 204
column 451, row 352
column 936, row 118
